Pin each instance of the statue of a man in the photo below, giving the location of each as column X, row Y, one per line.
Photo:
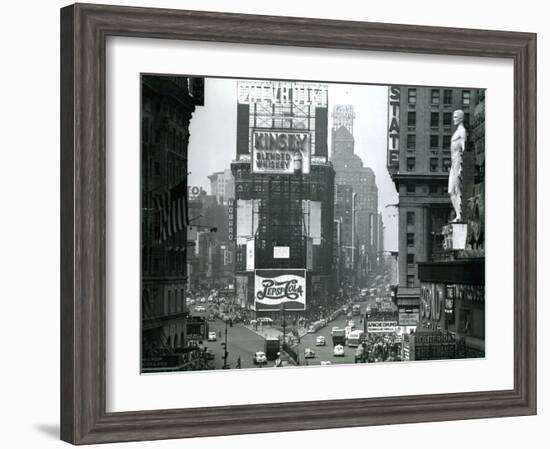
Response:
column 458, row 144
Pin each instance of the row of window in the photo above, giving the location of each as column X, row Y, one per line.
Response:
column 435, row 119
column 435, row 97
column 434, row 164
column 434, row 142
column 433, row 189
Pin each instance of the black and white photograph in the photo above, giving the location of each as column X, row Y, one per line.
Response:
column 295, row 223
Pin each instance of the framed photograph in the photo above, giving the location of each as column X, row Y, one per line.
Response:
column 243, row 193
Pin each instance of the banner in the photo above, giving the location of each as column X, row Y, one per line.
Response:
column 282, row 152
column 408, row 316
column 275, row 287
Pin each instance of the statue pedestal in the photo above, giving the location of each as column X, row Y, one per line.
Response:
column 455, row 236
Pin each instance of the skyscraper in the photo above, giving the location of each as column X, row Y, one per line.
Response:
column 351, row 172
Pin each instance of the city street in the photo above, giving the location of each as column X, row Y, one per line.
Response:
column 243, row 342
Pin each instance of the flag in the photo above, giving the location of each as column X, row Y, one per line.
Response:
column 172, row 206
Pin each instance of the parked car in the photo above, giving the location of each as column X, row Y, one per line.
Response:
column 338, row 351
column 200, row 309
column 320, row 341
column 260, row 358
column 212, row 336
column 326, row 362
column 309, row 354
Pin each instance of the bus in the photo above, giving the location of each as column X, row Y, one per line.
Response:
column 355, row 338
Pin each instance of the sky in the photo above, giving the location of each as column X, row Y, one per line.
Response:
column 212, row 142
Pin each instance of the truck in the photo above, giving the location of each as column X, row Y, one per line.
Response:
column 272, row 347
column 338, row 336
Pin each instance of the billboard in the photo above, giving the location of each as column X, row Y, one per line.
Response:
column 408, row 316
column 281, row 152
column 381, row 327
column 394, row 94
column 282, row 93
column 272, row 288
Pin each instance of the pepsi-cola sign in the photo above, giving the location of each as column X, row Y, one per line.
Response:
column 272, row 288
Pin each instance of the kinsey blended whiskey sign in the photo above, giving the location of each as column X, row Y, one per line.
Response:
column 275, row 287
column 281, row 152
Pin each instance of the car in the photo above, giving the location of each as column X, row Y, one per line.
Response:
column 320, row 341
column 309, row 354
column 260, row 358
column 351, row 323
column 212, row 336
column 335, row 328
column 338, row 351
column 326, row 362
column 200, row 309
column 211, row 318
column 264, row 320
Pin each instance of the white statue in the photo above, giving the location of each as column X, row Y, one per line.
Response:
column 458, row 144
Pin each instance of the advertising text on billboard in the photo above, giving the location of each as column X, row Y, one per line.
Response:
column 275, row 287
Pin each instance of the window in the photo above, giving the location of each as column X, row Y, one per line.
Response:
column 446, row 164
column 411, row 141
column 410, row 239
column 435, row 97
column 447, row 142
column 447, row 97
column 411, row 188
column 410, row 218
column 410, row 259
column 434, row 164
column 411, row 95
column 466, row 97
column 434, row 141
column 411, row 119
column 411, row 162
column 434, row 189
column 447, row 119
column 410, row 280
column 434, row 120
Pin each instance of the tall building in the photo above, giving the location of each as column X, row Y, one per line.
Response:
column 222, row 186
column 418, row 160
column 351, row 172
column 167, row 105
column 284, row 190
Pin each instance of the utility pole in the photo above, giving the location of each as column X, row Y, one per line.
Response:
column 225, row 354
column 284, row 323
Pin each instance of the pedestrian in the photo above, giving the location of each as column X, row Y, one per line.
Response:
column 238, row 362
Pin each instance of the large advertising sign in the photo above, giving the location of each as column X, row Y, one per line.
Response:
column 282, row 92
column 408, row 316
column 394, row 94
column 282, row 152
column 272, row 288
column 381, row 327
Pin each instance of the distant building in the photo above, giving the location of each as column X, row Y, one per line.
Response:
column 167, row 105
column 222, row 186
column 351, row 172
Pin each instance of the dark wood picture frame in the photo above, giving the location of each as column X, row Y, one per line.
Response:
column 84, row 29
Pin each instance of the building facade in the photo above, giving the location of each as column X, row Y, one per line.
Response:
column 418, row 160
column 167, row 106
column 441, row 285
column 284, row 190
